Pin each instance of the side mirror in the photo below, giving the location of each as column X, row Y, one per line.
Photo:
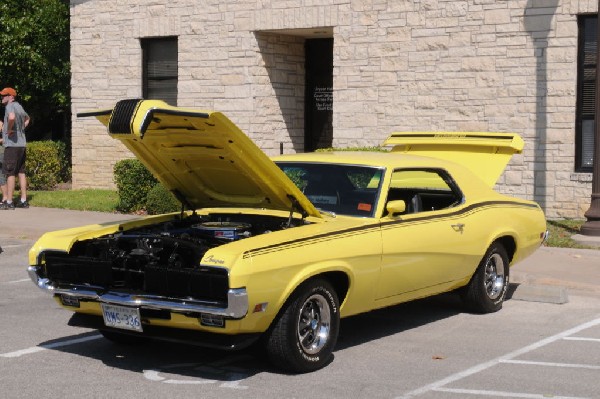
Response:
column 395, row 207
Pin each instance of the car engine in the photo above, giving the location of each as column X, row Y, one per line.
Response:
column 160, row 259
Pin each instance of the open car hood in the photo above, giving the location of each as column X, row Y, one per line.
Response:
column 485, row 154
column 202, row 157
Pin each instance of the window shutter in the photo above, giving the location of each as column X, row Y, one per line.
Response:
column 587, row 144
column 590, row 48
column 586, row 106
column 160, row 69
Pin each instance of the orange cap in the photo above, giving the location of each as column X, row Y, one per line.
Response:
column 8, row 91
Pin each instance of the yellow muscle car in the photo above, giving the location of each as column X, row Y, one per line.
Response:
column 280, row 249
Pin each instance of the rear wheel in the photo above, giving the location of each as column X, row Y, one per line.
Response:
column 487, row 288
column 304, row 334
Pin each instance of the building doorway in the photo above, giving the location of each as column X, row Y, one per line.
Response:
column 318, row 118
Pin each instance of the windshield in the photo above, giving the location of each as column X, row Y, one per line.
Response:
column 342, row 189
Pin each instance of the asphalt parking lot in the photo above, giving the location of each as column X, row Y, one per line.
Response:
column 423, row 349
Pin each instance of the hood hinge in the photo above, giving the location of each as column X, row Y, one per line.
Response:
column 295, row 207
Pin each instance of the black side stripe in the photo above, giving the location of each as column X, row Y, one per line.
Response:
column 384, row 226
column 319, row 237
column 94, row 113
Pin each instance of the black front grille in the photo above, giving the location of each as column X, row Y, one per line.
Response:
column 186, row 283
column 120, row 120
column 200, row 283
column 62, row 269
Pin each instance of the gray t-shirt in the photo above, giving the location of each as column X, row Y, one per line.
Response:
column 17, row 139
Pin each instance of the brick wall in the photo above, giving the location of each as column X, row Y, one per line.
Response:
column 473, row 65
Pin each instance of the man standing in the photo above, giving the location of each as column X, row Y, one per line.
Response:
column 2, row 176
column 13, row 137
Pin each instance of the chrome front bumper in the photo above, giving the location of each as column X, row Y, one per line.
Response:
column 237, row 298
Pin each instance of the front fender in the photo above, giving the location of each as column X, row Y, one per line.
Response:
column 272, row 289
column 313, row 271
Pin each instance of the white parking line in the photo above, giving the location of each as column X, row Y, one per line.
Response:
column 581, row 339
column 435, row 386
column 228, row 376
column 35, row 349
column 548, row 364
column 502, row 394
column 18, row 281
column 14, row 245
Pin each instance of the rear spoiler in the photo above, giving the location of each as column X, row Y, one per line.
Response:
column 487, row 142
column 485, row 154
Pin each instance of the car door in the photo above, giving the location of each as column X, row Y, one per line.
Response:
column 424, row 248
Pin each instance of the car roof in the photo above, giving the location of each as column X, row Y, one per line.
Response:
column 468, row 181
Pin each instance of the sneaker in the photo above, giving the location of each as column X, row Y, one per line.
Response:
column 6, row 206
column 22, row 204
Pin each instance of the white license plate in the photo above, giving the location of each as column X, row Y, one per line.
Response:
column 122, row 317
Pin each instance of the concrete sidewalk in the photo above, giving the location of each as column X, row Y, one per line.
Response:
column 552, row 273
column 547, row 276
column 32, row 222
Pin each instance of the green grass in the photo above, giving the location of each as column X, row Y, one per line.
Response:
column 81, row 200
column 561, row 232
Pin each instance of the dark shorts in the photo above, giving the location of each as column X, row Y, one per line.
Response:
column 14, row 161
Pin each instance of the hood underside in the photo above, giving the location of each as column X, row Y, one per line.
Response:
column 202, row 157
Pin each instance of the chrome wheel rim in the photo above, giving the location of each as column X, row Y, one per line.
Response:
column 314, row 324
column 495, row 277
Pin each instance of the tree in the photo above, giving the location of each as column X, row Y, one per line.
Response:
column 34, row 59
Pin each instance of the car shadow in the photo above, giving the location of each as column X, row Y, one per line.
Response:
column 512, row 287
column 180, row 363
column 164, row 361
column 380, row 323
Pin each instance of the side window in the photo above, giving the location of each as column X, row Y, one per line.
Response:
column 424, row 190
column 160, row 70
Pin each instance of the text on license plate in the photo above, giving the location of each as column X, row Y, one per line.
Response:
column 121, row 317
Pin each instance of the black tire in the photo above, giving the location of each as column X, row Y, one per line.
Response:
column 486, row 291
column 120, row 338
column 305, row 332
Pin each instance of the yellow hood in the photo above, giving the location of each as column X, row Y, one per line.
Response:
column 485, row 154
column 202, row 157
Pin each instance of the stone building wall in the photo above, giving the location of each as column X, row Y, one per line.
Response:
column 472, row 65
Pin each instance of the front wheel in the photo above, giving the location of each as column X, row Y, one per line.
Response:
column 304, row 334
column 486, row 291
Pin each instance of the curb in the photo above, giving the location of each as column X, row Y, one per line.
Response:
column 591, row 241
column 539, row 293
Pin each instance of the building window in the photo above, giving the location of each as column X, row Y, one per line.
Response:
column 586, row 93
column 160, row 69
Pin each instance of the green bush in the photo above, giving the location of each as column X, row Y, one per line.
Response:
column 160, row 200
column 64, row 152
column 133, row 183
column 47, row 164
